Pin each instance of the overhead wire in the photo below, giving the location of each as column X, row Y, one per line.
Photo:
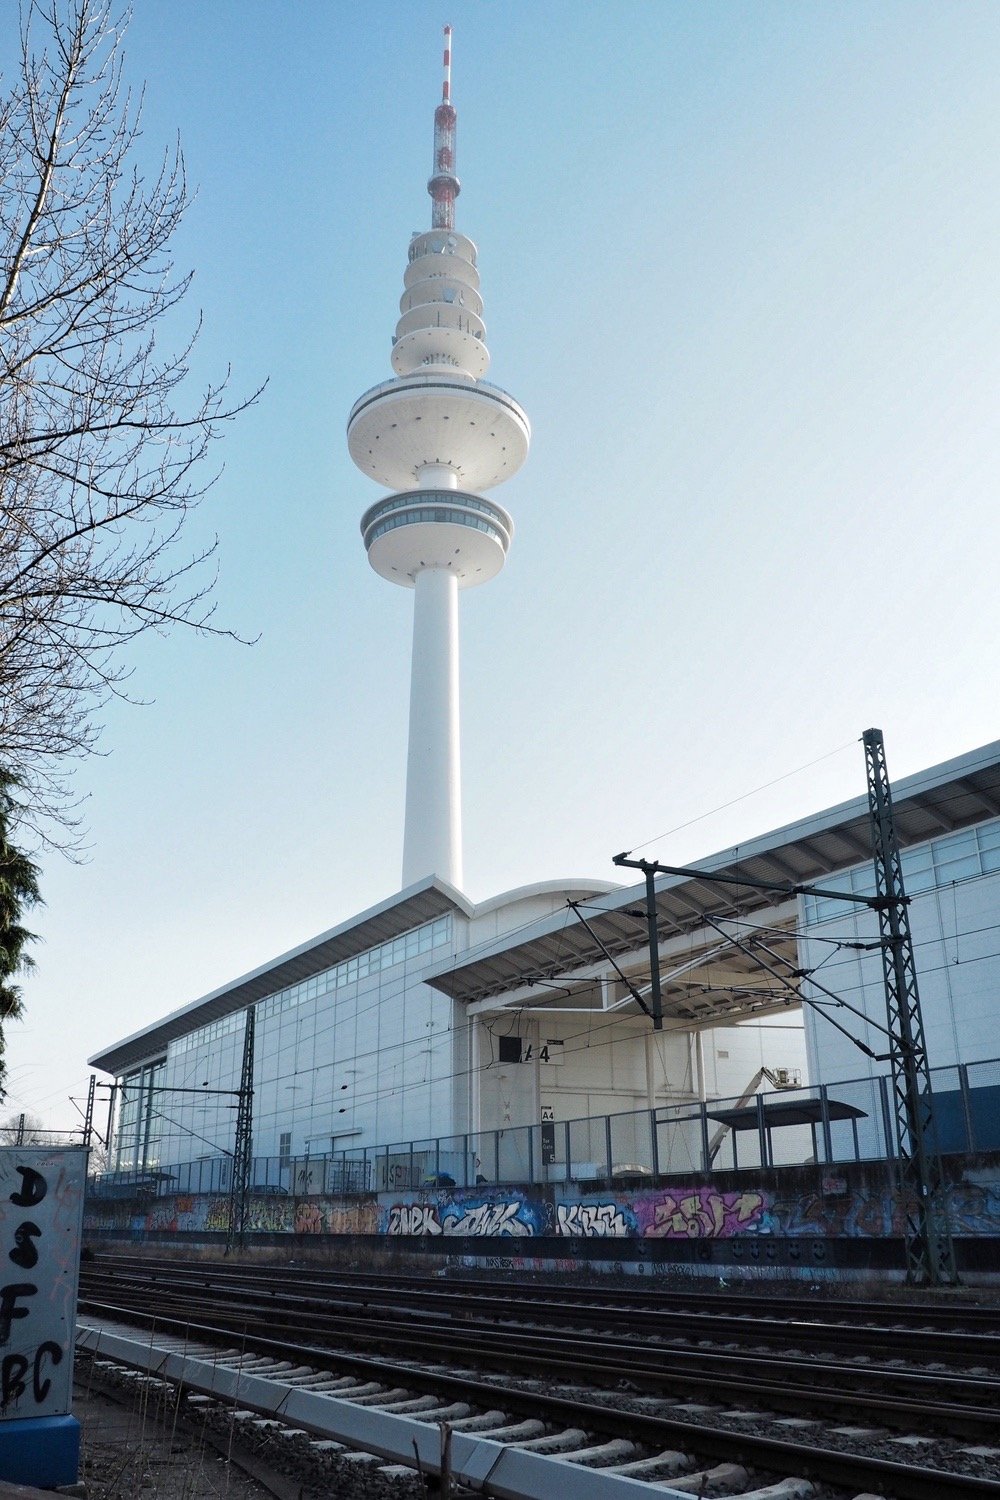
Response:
column 743, row 796
column 460, row 959
column 588, row 1032
column 469, row 955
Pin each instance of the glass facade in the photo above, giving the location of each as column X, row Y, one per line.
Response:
column 940, row 862
column 137, row 1140
column 356, row 1049
column 453, row 515
column 372, row 961
column 446, row 497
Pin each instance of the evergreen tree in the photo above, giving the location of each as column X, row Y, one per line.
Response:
column 18, row 892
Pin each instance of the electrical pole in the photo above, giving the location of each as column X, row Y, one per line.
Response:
column 656, row 992
column 930, row 1254
column 111, row 1120
column 88, row 1119
column 243, row 1145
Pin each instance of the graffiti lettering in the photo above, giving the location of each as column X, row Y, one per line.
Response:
column 24, row 1253
column 488, row 1219
column 592, row 1220
column 412, row 1218
column 476, row 1217
column 14, row 1368
column 839, row 1208
column 32, row 1190
column 329, row 1216
column 9, row 1310
column 701, row 1214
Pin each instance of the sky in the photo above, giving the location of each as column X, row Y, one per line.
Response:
column 739, row 267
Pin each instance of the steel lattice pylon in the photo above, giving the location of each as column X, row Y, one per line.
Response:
column 88, row 1119
column 243, row 1147
column 930, row 1254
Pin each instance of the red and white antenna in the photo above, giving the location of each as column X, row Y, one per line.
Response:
column 444, row 187
column 446, row 90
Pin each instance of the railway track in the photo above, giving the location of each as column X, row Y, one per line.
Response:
column 749, row 1393
column 701, row 1300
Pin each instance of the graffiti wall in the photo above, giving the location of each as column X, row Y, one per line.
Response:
column 505, row 1213
column 702, row 1213
column 859, row 1203
column 693, row 1213
column 335, row 1216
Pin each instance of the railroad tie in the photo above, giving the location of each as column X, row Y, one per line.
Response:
column 787, row 1489
column 601, row 1455
column 511, row 1432
column 453, row 1414
column 555, row 1442
column 417, row 1406
column 662, row 1465
column 358, row 1388
column 485, row 1422
column 377, row 1399
column 724, row 1479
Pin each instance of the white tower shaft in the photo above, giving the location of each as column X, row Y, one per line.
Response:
column 437, row 436
column 432, row 835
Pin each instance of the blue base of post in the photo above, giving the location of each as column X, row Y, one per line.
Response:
column 43, row 1451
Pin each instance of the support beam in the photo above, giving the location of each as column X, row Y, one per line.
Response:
column 243, row 1145
column 930, row 1255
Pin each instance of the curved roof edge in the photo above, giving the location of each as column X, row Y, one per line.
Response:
column 418, row 903
column 545, row 888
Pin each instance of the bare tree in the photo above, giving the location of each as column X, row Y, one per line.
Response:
column 24, row 1130
column 100, row 461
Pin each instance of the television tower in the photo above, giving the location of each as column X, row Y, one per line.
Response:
column 437, row 435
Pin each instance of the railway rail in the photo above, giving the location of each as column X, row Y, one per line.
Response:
column 747, row 1392
column 702, row 1298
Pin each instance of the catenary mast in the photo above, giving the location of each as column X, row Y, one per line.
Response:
column 437, row 435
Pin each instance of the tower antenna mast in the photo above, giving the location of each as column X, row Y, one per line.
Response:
column 444, row 187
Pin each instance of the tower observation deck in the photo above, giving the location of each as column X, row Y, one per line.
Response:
column 437, row 435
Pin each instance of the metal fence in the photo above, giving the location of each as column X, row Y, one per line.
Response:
column 828, row 1124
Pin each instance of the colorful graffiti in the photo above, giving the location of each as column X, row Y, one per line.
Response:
column 474, row 1216
column 974, row 1209
column 698, row 1213
column 594, row 1220
column 331, row 1216
column 820, row 1206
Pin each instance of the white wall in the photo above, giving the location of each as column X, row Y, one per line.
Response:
column 609, row 1066
column 957, row 960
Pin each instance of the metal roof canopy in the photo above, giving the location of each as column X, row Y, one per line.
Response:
column 411, row 908
column 786, row 1112
column 941, row 799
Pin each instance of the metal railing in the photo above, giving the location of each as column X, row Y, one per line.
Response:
column 827, row 1124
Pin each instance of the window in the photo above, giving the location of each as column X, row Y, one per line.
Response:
column 396, row 951
column 956, row 856
column 137, row 1137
